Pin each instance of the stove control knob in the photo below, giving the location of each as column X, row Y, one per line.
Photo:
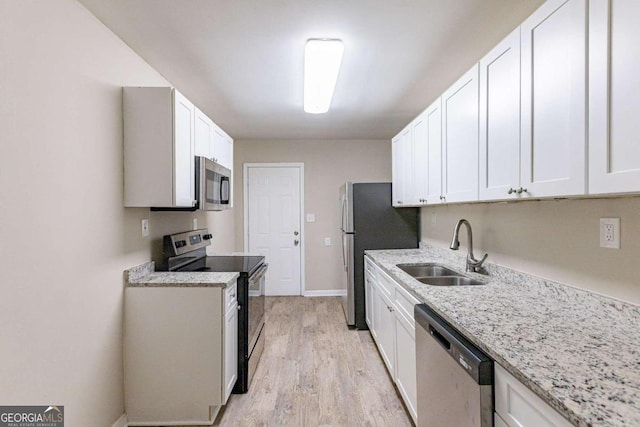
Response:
column 207, row 237
column 181, row 244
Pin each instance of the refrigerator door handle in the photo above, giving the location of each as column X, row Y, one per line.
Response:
column 342, row 212
column 344, row 256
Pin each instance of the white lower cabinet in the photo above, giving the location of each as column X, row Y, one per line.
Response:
column 406, row 363
column 180, row 353
column 393, row 329
column 383, row 319
column 517, row 406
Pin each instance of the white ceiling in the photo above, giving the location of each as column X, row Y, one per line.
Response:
column 241, row 61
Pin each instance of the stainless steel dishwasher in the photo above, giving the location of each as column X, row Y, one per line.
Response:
column 455, row 378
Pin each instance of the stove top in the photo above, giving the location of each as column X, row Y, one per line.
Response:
column 245, row 265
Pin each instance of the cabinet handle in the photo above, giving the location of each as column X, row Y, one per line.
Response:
column 522, row 190
column 239, row 307
column 399, row 202
column 390, row 309
column 442, row 198
column 511, row 191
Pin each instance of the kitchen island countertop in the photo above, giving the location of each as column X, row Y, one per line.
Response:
column 578, row 351
column 145, row 276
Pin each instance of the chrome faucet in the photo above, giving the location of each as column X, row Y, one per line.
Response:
column 473, row 264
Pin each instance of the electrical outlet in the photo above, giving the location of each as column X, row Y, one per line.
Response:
column 311, row 217
column 327, row 241
column 610, row 233
column 195, row 223
column 145, row 227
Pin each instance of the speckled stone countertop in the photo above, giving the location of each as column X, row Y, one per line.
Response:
column 578, row 351
column 145, row 276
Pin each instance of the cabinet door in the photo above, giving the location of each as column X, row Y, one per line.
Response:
column 406, row 364
column 420, row 160
column 230, row 350
column 373, row 316
column 183, row 167
column 460, row 139
column 368, row 306
column 396, row 154
column 433, row 120
column 520, row 407
column 500, row 120
column 203, row 135
column 553, row 109
column 384, row 323
column 406, row 147
column 614, row 96
column 222, row 148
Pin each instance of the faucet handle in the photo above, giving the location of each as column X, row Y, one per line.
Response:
column 475, row 265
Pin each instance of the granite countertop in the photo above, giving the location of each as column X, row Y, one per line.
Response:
column 578, row 351
column 145, row 276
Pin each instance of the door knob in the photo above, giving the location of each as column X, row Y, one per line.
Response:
column 295, row 242
column 295, row 233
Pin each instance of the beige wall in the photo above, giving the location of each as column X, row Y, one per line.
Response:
column 66, row 237
column 558, row 240
column 327, row 165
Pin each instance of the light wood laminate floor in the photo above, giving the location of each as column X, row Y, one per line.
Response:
column 315, row 372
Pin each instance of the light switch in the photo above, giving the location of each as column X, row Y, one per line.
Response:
column 145, row 227
column 195, row 223
column 311, row 217
column 327, row 241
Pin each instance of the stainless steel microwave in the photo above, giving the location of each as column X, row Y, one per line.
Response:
column 213, row 185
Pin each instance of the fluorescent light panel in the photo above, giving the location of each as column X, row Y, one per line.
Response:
column 322, row 58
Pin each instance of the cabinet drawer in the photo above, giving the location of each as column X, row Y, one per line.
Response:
column 230, row 296
column 520, row 407
column 386, row 284
column 404, row 303
column 370, row 268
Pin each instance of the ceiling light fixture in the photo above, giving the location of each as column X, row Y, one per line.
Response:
column 322, row 58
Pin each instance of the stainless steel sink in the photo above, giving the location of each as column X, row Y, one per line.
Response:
column 426, row 270
column 449, row 281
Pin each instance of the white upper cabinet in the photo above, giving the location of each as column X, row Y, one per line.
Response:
column 212, row 142
column 396, row 171
column 158, row 148
column 402, row 152
column 460, row 139
column 433, row 120
column 553, row 121
column 222, row 147
column 420, row 132
column 614, row 96
column 427, row 157
column 500, row 121
column 203, row 135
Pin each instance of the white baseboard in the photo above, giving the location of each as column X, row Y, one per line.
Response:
column 327, row 293
column 122, row 421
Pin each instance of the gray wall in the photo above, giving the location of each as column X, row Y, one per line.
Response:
column 327, row 165
column 554, row 239
column 66, row 237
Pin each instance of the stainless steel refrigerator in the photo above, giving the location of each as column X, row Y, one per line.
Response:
column 370, row 222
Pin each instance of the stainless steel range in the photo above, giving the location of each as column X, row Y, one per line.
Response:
column 187, row 252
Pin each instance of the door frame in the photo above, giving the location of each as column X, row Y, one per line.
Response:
column 245, row 208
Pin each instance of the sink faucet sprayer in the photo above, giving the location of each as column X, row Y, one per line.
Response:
column 473, row 264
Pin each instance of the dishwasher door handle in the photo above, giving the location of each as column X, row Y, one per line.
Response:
column 440, row 338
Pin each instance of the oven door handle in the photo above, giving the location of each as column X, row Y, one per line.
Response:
column 259, row 274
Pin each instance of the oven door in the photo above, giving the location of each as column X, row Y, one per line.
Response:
column 213, row 185
column 256, row 305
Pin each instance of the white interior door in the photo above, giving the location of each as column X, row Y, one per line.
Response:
column 273, row 224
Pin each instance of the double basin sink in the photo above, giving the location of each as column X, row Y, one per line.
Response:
column 437, row 275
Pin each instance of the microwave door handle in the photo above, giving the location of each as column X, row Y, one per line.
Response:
column 224, row 196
